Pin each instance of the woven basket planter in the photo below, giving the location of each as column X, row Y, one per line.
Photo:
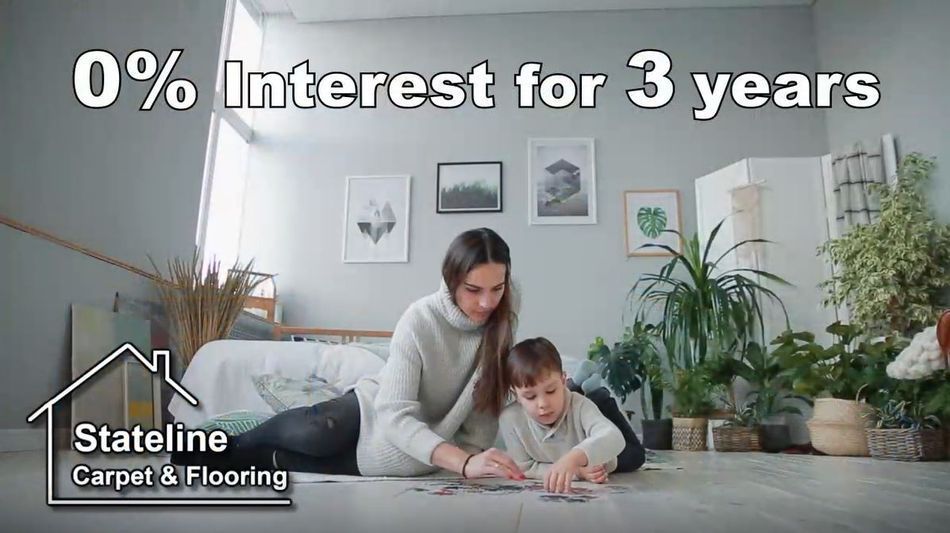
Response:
column 689, row 434
column 837, row 427
column 736, row 439
column 906, row 444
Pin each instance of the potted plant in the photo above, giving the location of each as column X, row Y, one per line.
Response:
column 201, row 302
column 768, row 404
column 692, row 400
column 740, row 432
column 904, row 432
column 763, row 372
column 840, row 378
column 922, row 368
column 707, row 312
column 657, row 430
column 891, row 273
column 634, row 364
column 641, row 338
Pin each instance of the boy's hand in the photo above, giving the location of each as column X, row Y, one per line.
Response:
column 559, row 477
column 594, row 474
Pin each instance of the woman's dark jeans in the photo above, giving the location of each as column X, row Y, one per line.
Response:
column 320, row 438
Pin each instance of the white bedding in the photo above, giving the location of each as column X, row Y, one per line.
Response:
column 220, row 375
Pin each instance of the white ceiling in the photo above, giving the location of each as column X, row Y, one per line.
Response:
column 339, row 10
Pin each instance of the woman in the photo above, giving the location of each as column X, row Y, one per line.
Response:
column 434, row 405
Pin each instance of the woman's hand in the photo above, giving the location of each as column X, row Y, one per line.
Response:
column 493, row 463
column 594, row 474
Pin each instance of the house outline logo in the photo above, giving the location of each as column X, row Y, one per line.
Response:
column 153, row 367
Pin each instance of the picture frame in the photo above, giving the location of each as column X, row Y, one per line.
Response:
column 138, row 388
column 94, row 334
column 646, row 213
column 376, row 219
column 562, row 182
column 469, row 187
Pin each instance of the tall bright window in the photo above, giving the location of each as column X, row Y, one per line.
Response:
column 225, row 176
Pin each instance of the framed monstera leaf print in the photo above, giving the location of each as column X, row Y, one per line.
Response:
column 648, row 217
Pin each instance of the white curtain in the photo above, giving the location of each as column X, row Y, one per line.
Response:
column 854, row 169
column 847, row 177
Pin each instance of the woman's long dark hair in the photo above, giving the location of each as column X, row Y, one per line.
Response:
column 469, row 250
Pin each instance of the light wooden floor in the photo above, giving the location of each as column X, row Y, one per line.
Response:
column 714, row 492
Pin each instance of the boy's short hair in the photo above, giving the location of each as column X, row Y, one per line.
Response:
column 529, row 360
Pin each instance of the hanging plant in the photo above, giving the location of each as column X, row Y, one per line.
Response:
column 891, row 273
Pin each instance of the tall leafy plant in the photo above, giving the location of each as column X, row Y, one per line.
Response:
column 891, row 273
column 705, row 312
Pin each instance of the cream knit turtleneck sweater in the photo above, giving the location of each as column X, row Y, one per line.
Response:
column 423, row 395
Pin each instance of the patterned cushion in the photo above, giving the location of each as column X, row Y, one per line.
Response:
column 235, row 422
column 282, row 393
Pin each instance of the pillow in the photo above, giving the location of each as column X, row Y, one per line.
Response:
column 379, row 349
column 282, row 393
column 235, row 422
column 345, row 364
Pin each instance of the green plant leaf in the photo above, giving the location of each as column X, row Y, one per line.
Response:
column 651, row 220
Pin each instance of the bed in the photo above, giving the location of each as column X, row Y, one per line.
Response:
column 221, row 375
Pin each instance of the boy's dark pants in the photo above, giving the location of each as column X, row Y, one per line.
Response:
column 633, row 455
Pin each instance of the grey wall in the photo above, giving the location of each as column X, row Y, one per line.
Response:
column 574, row 278
column 120, row 181
column 905, row 43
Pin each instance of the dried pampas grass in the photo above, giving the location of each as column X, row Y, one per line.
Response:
column 202, row 302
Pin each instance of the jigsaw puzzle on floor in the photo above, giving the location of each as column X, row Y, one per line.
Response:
column 577, row 494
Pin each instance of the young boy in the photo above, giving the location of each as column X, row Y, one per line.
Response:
column 556, row 434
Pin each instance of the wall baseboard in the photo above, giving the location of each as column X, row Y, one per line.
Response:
column 22, row 440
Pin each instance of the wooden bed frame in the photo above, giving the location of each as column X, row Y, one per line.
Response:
column 345, row 335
